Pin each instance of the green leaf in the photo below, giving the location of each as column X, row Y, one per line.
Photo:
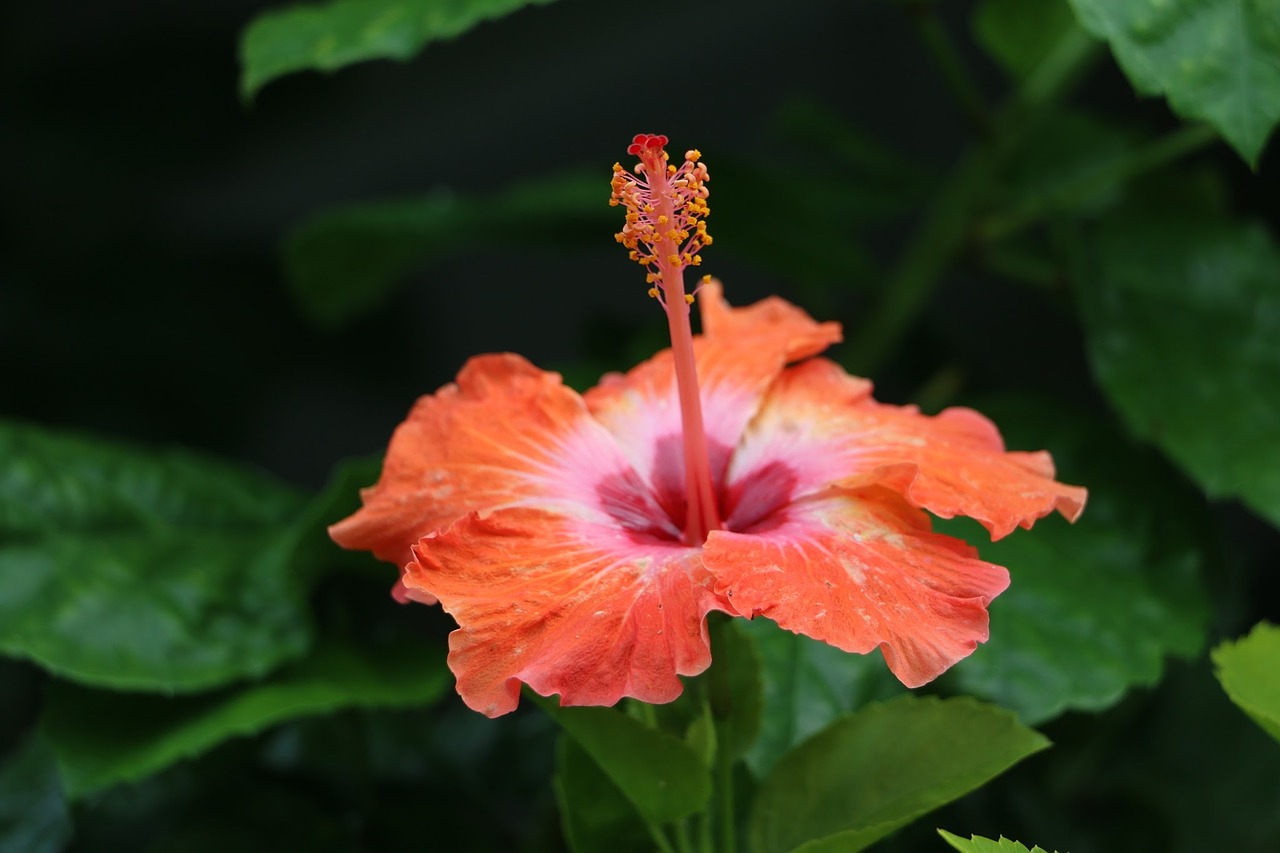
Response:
column 1182, row 315
column 328, row 36
column 33, row 814
column 1215, row 60
column 1019, row 34
column 661, row 775
column 595, row 815
column 102, row 739
column 1093, row 608
column 345, row 262
column 869, row 774
column 734, row 687
column 807, row 684
column 978, row 844
column 142, row 570
column 1249, row 670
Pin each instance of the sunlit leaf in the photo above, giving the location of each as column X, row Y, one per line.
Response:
column 345, row 262
column 104, row 738
column 1249, row 670
column 1093, row 608
column 978, row 844
column 662, row 776
column 328, row 36
column 806, row 685
column 869, row 774
column 144, row 570
column 33, row 814
column 1182, row 315
column 1216, row 60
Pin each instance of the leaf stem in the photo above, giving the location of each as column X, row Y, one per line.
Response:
column 1155, row 154
column 724, row 783
column 951, row 64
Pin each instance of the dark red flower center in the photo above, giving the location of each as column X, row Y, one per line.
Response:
column 752, row 503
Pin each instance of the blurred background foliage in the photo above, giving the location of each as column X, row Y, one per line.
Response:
column 220, row 276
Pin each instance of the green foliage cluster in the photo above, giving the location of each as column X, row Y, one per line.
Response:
column 198, row 667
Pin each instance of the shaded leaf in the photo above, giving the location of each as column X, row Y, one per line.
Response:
column 1182, row 315
column 869, row 774
column 1215, row 60
column 978, row 844
column 1019, row 34
column 1249, row 670
column 102, row 739
column 595, row 815
column 807, row 684
column 144, row 570
column 33, row 814
column 328, row 36
column 345, row 262
column 1093, row 608
column 734, row 687
column 661, row 775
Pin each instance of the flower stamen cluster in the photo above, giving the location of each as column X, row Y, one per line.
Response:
column 665, row 226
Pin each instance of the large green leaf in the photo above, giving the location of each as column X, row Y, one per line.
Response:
column 344, row 262
column 1093, row 608
column 1216, row 60
column 33, row 813
column 662, row 776
column 1182, row 315
column 144, row 570
column 806, row 685
column 328, row 36
column 978, row 844
column 1249, row 670
column 595, row 815
column 103, row 738
column 869, row 774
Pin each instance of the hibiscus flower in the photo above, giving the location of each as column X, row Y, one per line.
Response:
column 580, row 541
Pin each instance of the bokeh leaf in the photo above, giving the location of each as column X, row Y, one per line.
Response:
column 807, row 684
column 595, row 815
column 978, row 844
column 1249, row 670
column 662, row 776
column 1215, row 60
column 1182, row 315
column 142, row 570
column 33, row 813
column 866, row 775
column 102, row 738
column 1019, row 34
column 345, row 262
column 1093, row 608
column 328, row 36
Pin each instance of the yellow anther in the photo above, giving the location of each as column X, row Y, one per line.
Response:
column 617, row 167
column 662, row 220
column 706, row 279
column 673, row 259
column 693, row 155
column 688, row 297
column 653, row 291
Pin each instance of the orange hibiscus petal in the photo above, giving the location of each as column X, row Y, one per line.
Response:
column 505, row 434
column 567, row 607
column 740, row 353
column 821, row 424
column 861, row 570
